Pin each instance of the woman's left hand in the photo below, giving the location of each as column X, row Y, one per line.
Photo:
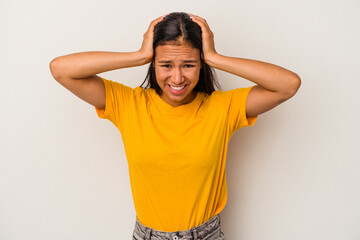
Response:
column 207, row 39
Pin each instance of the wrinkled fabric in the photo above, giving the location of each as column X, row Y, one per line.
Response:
column 176, row 155
column 210, row 230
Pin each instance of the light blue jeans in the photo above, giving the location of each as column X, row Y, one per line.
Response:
column 209, row 230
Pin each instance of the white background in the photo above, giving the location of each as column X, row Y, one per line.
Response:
column 293, row 175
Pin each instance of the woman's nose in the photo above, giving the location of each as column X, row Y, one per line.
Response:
column 178, row 76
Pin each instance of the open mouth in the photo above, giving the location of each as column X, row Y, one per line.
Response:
column 178, row 90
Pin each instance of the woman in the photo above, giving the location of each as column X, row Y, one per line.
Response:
column 176, row 132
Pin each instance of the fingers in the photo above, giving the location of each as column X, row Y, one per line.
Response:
column 152, row 25
column 156, row 21
column 150, row 31
column 147, row 44
column 201, row 22
column 207, row 38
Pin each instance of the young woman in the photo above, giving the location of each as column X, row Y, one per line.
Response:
column 176, row 129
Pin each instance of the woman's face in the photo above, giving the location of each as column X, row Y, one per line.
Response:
column 177, row 70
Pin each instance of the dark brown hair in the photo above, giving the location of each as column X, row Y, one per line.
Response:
column 176, row 28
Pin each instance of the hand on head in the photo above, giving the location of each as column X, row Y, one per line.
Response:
column 208, row 44
column 207, row 37
column 147, row 45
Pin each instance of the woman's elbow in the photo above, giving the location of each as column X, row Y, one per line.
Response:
column 293, row 86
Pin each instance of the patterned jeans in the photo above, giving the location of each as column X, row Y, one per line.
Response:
column 210, row 230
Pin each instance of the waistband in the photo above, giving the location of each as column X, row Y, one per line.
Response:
column 200, row 231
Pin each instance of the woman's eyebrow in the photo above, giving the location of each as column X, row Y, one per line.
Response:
column 185, row 61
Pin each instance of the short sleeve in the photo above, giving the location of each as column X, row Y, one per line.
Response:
column 236, row 103
column 117, row 98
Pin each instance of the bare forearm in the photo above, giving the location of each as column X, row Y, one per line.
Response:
column 86, row 64
column 268, row 76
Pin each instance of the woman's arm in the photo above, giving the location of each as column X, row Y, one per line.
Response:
column 77, row 71
column 274, row 83
column 86, row 64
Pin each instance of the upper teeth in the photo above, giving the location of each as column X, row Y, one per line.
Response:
column 177, row 88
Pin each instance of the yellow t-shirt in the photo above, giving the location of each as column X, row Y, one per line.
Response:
column 176, row 155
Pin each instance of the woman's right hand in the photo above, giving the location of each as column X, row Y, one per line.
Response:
column 146, row 49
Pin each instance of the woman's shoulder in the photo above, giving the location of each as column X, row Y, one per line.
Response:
column 228, row 96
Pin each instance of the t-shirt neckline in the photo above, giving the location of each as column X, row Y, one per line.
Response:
column 179, row 109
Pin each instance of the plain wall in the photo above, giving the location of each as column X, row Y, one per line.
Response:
column 293, row 175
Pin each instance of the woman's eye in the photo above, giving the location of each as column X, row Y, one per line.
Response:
column 169, row 66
